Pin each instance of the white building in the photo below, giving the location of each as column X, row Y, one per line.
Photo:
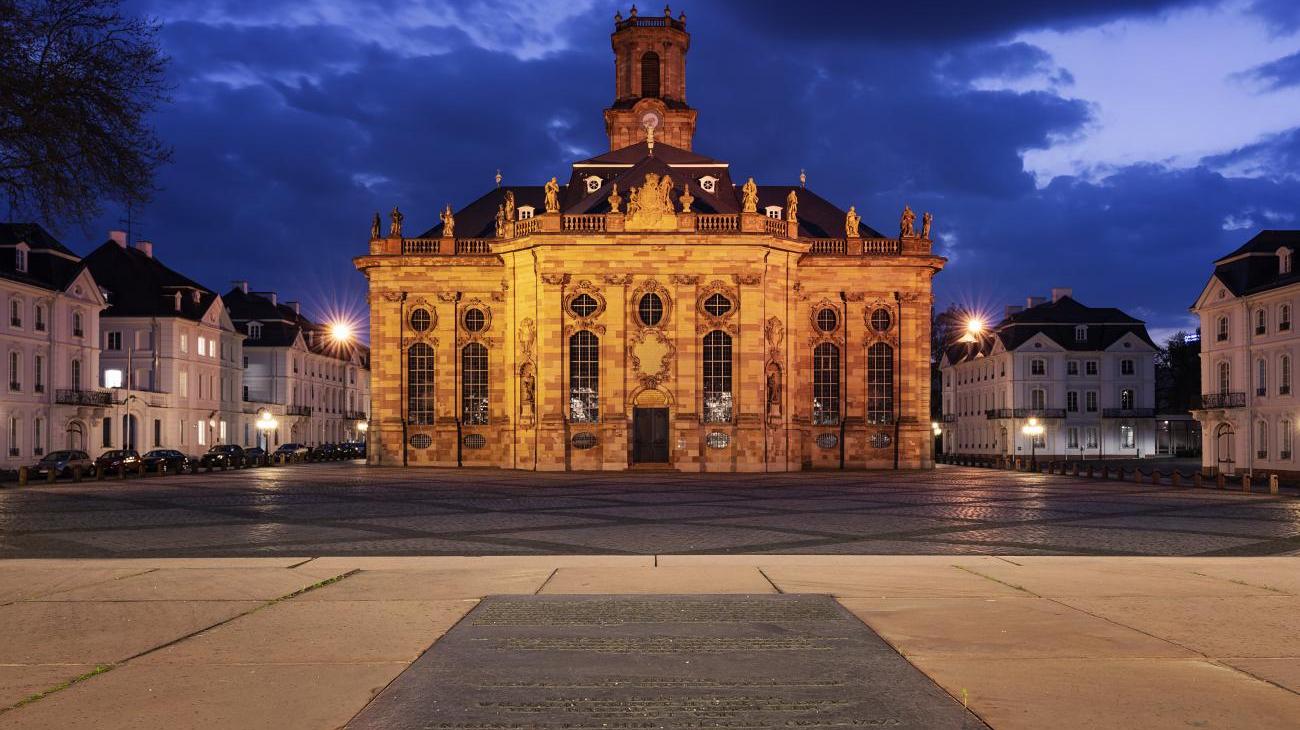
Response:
column 1248, row 409
column 317, row 387
column 1086, row 374
column 50, row 344
column 169, row 354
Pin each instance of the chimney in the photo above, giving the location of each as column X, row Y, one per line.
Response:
column 241, row 285
column 297, row 309
column 1061, row 292
column 118, row 237
column 267, row 295
column 1031, row 302
column 1012, row 309
column 145, row 247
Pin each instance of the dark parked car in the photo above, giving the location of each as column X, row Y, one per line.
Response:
column 293, row 452
column 353, row 450
column 224, row 456
column 325, row 452
column 168, row 461
column 255, row 456
column 109, row 461
column 63, row 462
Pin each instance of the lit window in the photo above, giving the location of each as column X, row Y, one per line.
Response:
column 774, row 211
column 419, row 383
column 880, row 383
column 474, row 384
column 112, row 378
column 593, row 183
column 717, row 377
column 584, row 377
column 826, row 384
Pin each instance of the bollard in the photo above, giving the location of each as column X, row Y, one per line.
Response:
column 140, row 468
column 121, row 471
column 1155, row 476
column 1175, row 479
column 99, row 473
column 51, row 475
column 22, row 476
column 1245, row 482
column 1137, row 475
column 1272, row 484
column 1198, row 479
column 1074, row 470
column 76, row 474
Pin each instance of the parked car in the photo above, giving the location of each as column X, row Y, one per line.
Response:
column 325, row 452
column 353, row 450
column 224, row 456
column 255, row 456
column 63, row 462
column 168, row 461
column 109, row 461
column 293, row 452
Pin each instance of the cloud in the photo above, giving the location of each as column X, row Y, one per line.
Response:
column 1279, row 74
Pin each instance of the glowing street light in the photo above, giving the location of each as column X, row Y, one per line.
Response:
column 341, row 332
column 974, row 328
column 938, row 430
column 266, row 423
column 1033, row 429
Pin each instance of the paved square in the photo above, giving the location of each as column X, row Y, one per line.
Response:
column 349, row 509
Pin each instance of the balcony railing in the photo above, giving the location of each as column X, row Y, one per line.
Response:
column 474, row 245
column 717, row 222
column 354, row 415
column 419, row 246
column 297, row 410
column 950, row 418
column 527, row 227
column 1128, row 413
column 587, row 223
column 996, row 413
column 829, row 246
column 880, row 245
column 1211, row 401
column 776, row 227
column 70, row 397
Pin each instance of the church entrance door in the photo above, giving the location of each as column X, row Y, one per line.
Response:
column 650, row 435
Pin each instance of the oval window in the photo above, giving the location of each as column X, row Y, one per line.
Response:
column 828, row 441
column 717, row 440
column 827, row 319
column 475, row 441
column 650, row 309
column 584, row 305
column 881, row 320
column 584, row 440
column 717, row 305
column 421, row 320
column 881, row 440
column 475, row 319
column 421, row 441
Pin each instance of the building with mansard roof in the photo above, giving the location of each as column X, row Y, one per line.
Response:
column 653, row 309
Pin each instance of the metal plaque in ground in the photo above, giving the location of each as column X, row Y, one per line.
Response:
column 631, row 662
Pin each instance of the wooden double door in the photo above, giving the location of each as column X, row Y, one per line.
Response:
column 650, row 435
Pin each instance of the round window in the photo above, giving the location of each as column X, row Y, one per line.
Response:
column 717, row 305
column 584, row 440
column 650, row 309
column 881, row 320
column 717, row 440
column 827, row 319
column 583, row 305
column 475, row 319
column 421, row 441
column 881, row 440
column 828, row 441
column 420, row 320
column 475, row 441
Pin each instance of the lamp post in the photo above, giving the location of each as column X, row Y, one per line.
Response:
column 265, row 424
column 938, row 433
column 974, row 328
column 1033, row 429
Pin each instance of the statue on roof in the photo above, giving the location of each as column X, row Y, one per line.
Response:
column 851, row 221
column 510, row 206
column 552, row 196
column 374, row 227
column 906, row 224
column 749, row 196
column 792, row 207
column 501, row 221
column 926, row 220
column 686, row 200
column 395, row 228
column 448, row 223
column 615, row 199
column 650, row 207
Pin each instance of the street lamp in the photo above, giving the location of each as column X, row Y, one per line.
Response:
column 341, row 332
column 266, row 423
column 974, row 328
column 1033, row 430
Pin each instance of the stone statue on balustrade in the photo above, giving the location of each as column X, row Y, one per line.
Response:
column 615, row 200
column 851, row 222
column 926, row 220
column 749, row 196
column 374, row 227
column 552, row 196
column 792, row 207
column 395, row 228
column 906, row 224
column 448, row 223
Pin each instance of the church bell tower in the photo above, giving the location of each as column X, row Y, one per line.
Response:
column 650, row 81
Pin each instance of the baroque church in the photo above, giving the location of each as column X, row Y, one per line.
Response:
column 654, row 311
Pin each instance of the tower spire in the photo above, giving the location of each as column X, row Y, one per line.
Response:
column 650, row 80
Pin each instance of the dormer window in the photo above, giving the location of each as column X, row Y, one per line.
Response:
column 774, row 211
column 593, row 183
column 526, row 212
column 195, row 296
column 178, row 301
column 1081, row 333
column 20, row 258
column 254, row 330
column 709, row 184
column 1283, row 261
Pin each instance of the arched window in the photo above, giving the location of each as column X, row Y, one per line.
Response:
column 717, row 377
column 78, row 327
column 1261, row 440
column 1261, row 377
column 880, row 383
column 1126, row 398
column 474, row 383
column 1284, row 318
column 1284, row 375
column 1284, row 439
column 1261, row 322
column 650, row 74
column 1222, row 329
column 76, row 435
column 826, row 384
column 419, row 383
column 584, row 377
column 1225, row 376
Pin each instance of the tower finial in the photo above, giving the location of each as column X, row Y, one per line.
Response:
column 803, row 178
column 498, row 177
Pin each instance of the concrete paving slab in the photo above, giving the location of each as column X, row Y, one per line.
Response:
column 19, row 583
column 301, row 632
column 200, row 584
column 431, row 585
column 680, row 580
column 1070, row 577
column 1002, row 628
column 1282, row 671
column 102, row 632
column 220, row 697
column 1152, row 694
column 888, row 581
column 141, row 564
column 1279, row 574
column 20, row 681
column 1255, row 626
column 814, row 560
column 440, row 562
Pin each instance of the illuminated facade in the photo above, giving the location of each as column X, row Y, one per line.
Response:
column 652, row 312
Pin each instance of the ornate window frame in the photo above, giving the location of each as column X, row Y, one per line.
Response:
column 651, row 286
column 727, row 321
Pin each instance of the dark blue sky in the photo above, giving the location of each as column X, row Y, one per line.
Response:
column 1112, row 146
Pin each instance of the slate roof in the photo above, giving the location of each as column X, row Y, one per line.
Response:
column 627, row 168
column 1056, row 320
column 1253, row 267
column 281, row 325
column 50, row 264
column 140, row 285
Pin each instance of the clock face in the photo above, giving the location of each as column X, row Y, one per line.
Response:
column 650, row 120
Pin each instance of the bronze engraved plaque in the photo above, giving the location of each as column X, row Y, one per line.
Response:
column 641, row 662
